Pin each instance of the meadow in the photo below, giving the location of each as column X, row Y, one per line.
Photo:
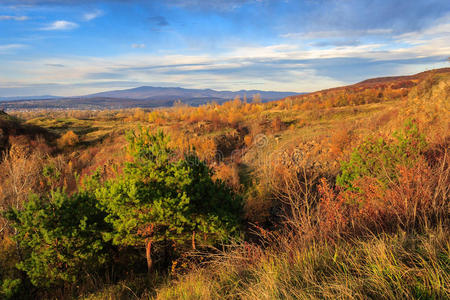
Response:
column 338, row 194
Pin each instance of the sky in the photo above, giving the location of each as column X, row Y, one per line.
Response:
column 78, row 47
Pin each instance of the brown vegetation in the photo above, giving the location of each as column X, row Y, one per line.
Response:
column 306, row 236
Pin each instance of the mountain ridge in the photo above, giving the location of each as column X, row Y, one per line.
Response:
column 179, row 93
column 152, row 97
column 143, row 96
column 19, row 98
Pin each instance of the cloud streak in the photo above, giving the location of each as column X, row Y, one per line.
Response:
column 220, row 5
column 337, row 34
column 8, row 47
column 61, row 25
column 13, row 18
column 275, row 67
column 92, row 15
column 138, row 46
column 300, row 45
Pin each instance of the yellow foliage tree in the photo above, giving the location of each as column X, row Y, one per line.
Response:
column 69, row 139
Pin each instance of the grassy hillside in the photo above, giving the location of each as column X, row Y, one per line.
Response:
column 345, row 194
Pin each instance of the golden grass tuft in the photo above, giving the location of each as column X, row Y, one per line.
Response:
column 395, row 266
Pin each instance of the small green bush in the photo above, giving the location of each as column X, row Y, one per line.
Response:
column 61, row 237
column 9, row 288
column 380, row 157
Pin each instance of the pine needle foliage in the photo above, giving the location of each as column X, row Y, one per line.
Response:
column 60, row 236
column 163, row 198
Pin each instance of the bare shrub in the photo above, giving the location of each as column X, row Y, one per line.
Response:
column 19, row 176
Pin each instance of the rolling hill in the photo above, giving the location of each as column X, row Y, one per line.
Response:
column 145, row 96
column 367, row 91
column 177, row 93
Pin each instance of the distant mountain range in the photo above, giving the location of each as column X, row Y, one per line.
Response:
column 177, row 93
column 145, row 96
column 18, row 98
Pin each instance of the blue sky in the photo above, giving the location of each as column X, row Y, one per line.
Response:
column 76, row 47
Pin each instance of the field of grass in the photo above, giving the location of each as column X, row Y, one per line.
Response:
column 304, row 236
column 388, row 266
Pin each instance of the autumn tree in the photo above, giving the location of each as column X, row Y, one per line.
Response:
column 257, row 98
column 69, row 139
column 159, row 197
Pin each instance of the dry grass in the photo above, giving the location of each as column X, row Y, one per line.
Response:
column 380, row 243
column 397, row 266
column 391, row 243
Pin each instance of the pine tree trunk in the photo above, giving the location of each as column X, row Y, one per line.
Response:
column 148, row 252
column 193, row 240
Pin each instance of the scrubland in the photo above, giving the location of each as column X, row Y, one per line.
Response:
column 337, row 194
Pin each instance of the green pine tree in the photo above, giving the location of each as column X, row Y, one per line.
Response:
column 159, row 197
column 60, row 236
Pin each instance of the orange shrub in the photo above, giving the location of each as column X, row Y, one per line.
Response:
column 277, row 125
column 139, row 115
column 234, row 118
column 418, row 198
column 339, row 140
column 205, row 148
column 229, row 174
column 248, row 140
column 69, row 139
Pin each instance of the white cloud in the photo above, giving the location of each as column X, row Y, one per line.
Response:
column 138, row 46
column 285, row 66
column 9, row 47
column 231, row 71
column 13, row 18
column 380, row 31
column 441, row 29
column 61, row 25
column 92, row 15
column 336, row 33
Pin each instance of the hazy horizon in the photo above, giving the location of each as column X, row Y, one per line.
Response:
column 73, row 48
